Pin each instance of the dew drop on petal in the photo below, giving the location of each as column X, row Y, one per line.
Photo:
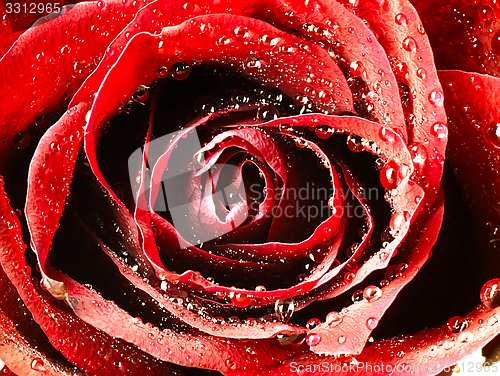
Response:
column 388, row 176
column 21, row 140
column 439, row 129
column 313, row 339
column 324, row 131
column 38, row 365
column 240, row 300
column 312, row 323
column 457, row 324
column 409, row 44
column 180, row 71
column 448, row 345
column 371, row 323
column 284, row 309
column 490, row 293
column 418, row 154
column 268, row 113
column 341, row 339
column 163, row 72
column 486, row 13
column 421, row 73
column 252, row 65
column 357, row 296
column 436, row 97
column 354, row 143
column 356, row 68
column 401, row 19
column 386, row 135
column 372, row 293
column 141, row 94
column 333, row 319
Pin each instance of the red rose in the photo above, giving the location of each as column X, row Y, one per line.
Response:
column 247, row 188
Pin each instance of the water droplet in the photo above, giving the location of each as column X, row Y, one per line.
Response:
column 436, row 97
column 420, row 29
column 324, row 131
column 300, row 143
column 358, row 88
column 341, row 339
column 379, row 164
column 129, row 108
column 448, row 345
column 206, row 105
column 260, row 288
column 41, row 122
column 465, row 337
column 21, row 140
column 354, row 143
column 141, row 94
column 180, row 71
column 486, row 13
column 55, row 146
column 401, row 19
column 163, row 72
column 80, row 69
column 300, row 99
column 313, row 339
column 268, row 113
column 418, row 154
column 470, row 2
column 386, row 135
column 241, row 32
column 284, row 309
column 240, row 300
column 494, row 134
column 349, row 276
column 252, row 65
column 439, row 129
column 397, row 221
column 356, row 68
column 372, row 293
column 421, row 73
column 357, row 296
column 490, row 293
column 352, row 265
column 38, row 365
column 371, row 323
column 388, row 176
column 333, row 319
column 410, row 44
column 312, row 323
column 457, row 324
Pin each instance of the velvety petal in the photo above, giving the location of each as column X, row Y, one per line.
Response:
column 29, row 70
column 85, row 347
column 405, row 42
column 464, row 34
column 474, row 150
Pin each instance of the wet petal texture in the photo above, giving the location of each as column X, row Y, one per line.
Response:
column 474, row 26
column 240, row 187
